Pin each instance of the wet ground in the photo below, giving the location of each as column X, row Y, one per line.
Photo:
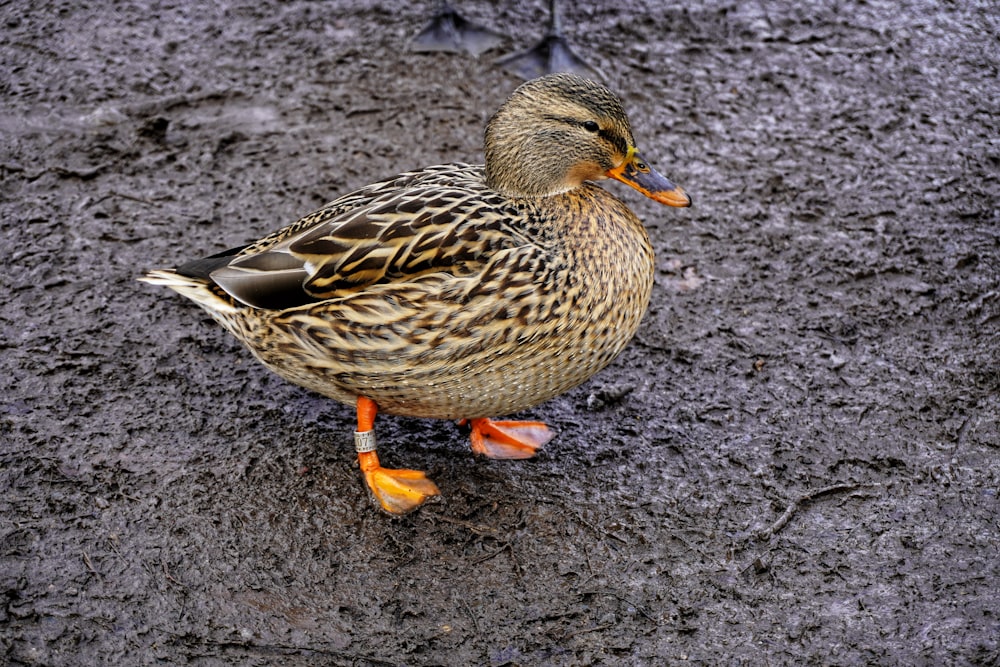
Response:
column 796, row 462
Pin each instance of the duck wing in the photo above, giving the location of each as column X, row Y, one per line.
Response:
column 439, row 220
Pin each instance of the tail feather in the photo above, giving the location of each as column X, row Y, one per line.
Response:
column 198, row 290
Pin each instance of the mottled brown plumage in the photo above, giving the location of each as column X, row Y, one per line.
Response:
column 456, row 291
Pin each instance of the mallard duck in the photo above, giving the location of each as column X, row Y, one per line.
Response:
column 457, row 291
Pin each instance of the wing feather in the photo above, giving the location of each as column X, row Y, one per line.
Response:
column 439, row 220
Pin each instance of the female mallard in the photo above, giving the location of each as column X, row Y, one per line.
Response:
column 456, row 291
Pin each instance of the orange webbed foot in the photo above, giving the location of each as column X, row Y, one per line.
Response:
column 397, row 491
column 508, row 439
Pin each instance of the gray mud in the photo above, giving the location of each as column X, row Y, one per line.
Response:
column 795, row 462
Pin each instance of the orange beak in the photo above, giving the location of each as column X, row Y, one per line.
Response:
column 636, row 173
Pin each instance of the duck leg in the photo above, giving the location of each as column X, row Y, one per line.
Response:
column 397, row 491
column 508, row 439
column 551, row 54
column 449, row 31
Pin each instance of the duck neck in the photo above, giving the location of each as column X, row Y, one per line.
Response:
column 519, row 164
column 506, row 175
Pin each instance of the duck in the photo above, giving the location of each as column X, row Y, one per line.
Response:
column 457, row 291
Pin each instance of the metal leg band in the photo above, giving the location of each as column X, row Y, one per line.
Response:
column 364, row 441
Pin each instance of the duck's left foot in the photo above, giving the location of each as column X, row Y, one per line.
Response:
column 397, row 491
column 508, row 439
column 449, row 31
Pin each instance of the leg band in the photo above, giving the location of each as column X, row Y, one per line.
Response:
column 364, row 441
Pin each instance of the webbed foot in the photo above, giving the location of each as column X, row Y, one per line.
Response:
column 397, row 491
column 449, row 31
column 552, row 54
column 508, row 439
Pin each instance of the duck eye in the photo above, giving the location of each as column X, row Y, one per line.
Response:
column 591, row 126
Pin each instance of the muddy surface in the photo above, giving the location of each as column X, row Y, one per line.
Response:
column 796, row 461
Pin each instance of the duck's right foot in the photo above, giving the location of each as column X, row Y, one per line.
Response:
column 508, row 439
column 552, row 54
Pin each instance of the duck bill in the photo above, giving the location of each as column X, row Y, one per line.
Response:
column 635, row 173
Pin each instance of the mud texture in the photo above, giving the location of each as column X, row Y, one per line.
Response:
column 796, row 462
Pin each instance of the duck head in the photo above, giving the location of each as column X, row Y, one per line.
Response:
column 557, row 131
